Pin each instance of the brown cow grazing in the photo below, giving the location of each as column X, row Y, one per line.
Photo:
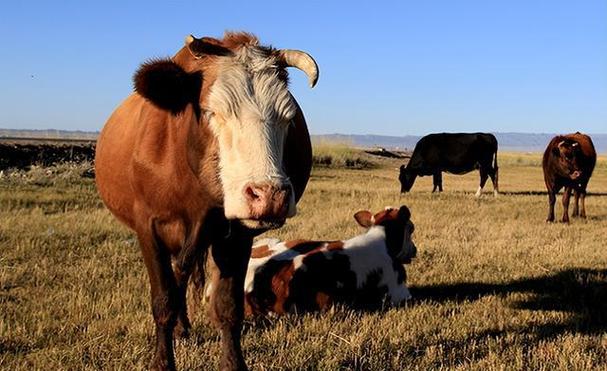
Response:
column 211, row 150
column 568, row 162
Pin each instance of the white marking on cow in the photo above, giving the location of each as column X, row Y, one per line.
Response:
column 251, row 113
column 367, row 254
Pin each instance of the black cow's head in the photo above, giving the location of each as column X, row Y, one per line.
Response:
column 567, row 154
column 407, row 178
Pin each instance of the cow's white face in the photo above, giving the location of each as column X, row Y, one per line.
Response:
column 250, row 110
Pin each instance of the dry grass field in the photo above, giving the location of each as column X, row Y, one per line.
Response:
column 495, row 287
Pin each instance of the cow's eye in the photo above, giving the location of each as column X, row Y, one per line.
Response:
column 207, row 114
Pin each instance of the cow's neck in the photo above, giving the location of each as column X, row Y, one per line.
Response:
column 375, row 236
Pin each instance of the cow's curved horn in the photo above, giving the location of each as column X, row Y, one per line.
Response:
column 302, row 61
column 561, row 144
column 575, row 144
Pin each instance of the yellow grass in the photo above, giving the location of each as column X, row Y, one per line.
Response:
column 495, row 286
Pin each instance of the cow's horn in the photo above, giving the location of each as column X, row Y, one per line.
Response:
column 302, row 61
column 561, row 143
column 575, row 144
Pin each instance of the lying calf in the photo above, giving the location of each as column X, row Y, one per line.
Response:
column 363, row 272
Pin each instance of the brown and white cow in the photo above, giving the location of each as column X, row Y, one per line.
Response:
column 568, row 162
column 210, row 150
column 364, row 272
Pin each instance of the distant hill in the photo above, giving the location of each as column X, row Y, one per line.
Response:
column 522, row 142
column 48, row 134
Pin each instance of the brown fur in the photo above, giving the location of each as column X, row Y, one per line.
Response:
column 565, row 156
column 260, row 252
column 157, row 172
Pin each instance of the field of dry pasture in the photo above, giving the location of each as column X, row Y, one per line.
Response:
column 495, row 287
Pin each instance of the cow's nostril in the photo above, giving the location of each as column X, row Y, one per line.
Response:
column 252, row 194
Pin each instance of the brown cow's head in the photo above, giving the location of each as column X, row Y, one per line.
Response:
column 398, row 230
column 567, row 152
column 240, row 90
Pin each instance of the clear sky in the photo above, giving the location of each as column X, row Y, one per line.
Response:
column 393, row 68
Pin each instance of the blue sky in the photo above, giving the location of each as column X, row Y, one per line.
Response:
column 393, row 68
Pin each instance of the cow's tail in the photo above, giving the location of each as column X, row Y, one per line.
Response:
column 496, row 170
column 196, row 286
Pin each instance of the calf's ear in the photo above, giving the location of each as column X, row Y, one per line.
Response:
column 404, row 213
column 364, row 218
column 167, row 85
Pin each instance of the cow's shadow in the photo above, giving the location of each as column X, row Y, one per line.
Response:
column 545, row 193
column 581, row 292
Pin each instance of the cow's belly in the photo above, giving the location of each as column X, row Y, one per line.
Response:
column 113, row 156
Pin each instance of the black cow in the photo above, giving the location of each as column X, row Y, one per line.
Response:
column 456, row 153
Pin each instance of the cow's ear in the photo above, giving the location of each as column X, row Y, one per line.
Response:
column 167, row 85
column 297, row 155
column 364, row 218
column 556, row 151
column 206, row 46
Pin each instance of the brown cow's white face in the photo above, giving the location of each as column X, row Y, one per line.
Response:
column 249, row 109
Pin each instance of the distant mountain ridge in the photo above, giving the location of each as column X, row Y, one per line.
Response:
column 48, row 134
column 525, row 142
column 518, row 142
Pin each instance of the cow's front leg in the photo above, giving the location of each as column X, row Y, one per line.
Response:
column 551, row 203
column 230, row 258
column 165, row 301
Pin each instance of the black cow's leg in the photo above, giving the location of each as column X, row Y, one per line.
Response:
column 440, row 181
column 165, row 301
column 566, row 196
column 493, row 173
column 484, row 177
column 230, row 258
column 435, row 181
column 576, row 203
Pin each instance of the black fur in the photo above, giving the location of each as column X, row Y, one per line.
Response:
column 167, row 85
column 200, row 47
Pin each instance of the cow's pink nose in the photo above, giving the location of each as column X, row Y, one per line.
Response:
column 576, row 174
column 267, row 201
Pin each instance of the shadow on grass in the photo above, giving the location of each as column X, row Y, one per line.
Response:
column 545, row 193
column 580, row 292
